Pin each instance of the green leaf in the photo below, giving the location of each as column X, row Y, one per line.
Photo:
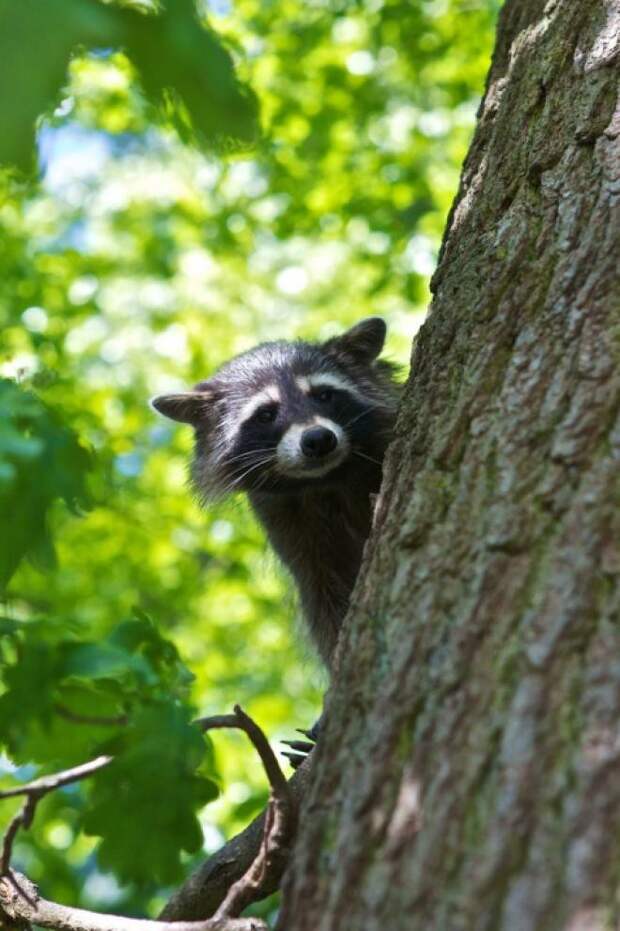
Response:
column 63, row 699
column 105, row 661
column 176, row 58
column 143, row 806
column 43, row 462
column 139, row 635
column 184, row 67
column 37, row 38
column 28, row 697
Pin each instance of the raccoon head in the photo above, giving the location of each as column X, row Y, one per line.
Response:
column 285, row 416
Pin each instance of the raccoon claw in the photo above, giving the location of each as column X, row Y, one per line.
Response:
column 295, row 759
column 301, row 748
column 298, row 752
column 313, row 733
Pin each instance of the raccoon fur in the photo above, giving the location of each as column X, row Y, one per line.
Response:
column 300, row 428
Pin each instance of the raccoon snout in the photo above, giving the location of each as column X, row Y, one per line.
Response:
column 318, row 442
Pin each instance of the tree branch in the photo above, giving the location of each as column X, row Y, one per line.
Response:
column 21, row 903
column 278, row 825
column 278, row 830
column 34, row 792
column 257, row 873
column 23, row 819
column 43, row 785
column 243, row 722
column 205, row 890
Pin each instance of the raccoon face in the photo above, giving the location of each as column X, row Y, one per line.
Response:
column 286, row 415
column 298, row 423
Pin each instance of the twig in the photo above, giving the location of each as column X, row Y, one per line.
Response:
column 265, row 868
column 34, row 792
column 20, row 901
column 45, row 784
column 279, row 827
column 23, row 819
column 244, row 722
column 76, row 718
column 215, row 721
column 206, row 888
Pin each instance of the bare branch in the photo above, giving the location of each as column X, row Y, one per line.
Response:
column 252, row 878
column 20, row 902
column 34, row 792
column 205, row 890
column 244, row 722
column 23, row 819
column 216, row 721
column 65, row 777
column 278, row 827
column 278, row 831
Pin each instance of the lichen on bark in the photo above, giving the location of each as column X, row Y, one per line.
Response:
column 469, row 773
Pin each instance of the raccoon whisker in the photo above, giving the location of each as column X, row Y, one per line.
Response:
column 235, row 467
column 249, row 454
column 255, row 462
column 234, row 486
column 239, row 478
column 356, row 452
column 358, row 417
column 261, row 481
column 243, row 459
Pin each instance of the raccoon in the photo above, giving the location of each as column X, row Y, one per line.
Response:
column 301, row 428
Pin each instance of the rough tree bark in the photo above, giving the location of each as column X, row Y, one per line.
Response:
column 469, row 775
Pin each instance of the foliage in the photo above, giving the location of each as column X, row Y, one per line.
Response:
column 41, row 460
column 136, row 264
column 121, row 695
column 145, row 822
column 179, row 63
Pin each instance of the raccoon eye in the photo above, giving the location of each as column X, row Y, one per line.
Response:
column 266, row 414
column 323, row 395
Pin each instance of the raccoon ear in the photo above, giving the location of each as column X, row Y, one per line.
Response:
column 363, row 342
column 186, row 407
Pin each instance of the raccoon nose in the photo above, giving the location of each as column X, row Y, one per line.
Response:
column 317, row 442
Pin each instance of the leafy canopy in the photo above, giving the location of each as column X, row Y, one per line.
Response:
column 181, row 65
column 153, row 244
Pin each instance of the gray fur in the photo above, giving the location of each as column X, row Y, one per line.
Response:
column 317, row 524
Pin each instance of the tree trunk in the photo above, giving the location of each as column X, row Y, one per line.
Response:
column 469, row 773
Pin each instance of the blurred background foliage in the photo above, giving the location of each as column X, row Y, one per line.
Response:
column 202, row 179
